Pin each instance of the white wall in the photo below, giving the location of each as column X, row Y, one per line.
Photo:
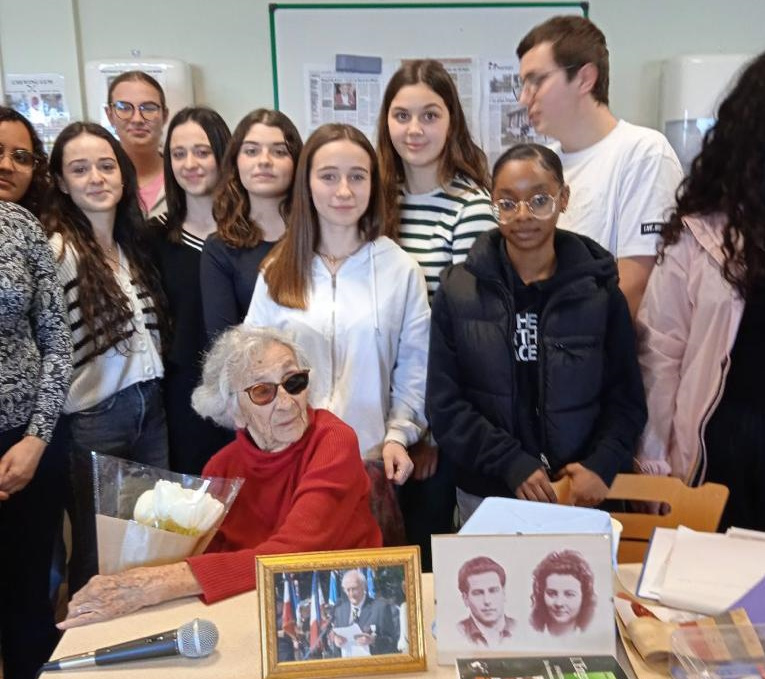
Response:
column 227, row 42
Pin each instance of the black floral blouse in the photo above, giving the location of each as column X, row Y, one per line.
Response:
column 35, row 341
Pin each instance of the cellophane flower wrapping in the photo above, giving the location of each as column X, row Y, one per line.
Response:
column 146, row 516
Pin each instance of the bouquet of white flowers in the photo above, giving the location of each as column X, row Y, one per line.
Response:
column 147, row 516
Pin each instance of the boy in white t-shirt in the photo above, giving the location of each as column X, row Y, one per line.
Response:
column 622, row 177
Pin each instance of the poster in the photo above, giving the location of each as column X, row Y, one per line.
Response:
column 39, row 97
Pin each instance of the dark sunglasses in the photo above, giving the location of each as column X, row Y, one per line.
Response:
column 262, row 393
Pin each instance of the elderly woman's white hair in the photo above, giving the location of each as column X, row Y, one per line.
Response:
column 230, row 358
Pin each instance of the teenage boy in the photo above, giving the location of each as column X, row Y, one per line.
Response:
column 622, row 177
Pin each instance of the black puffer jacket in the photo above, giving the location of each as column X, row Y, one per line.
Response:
column 591, row 400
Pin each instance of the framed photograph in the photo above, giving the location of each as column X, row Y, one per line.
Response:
column 523, row 595
column 335, row 614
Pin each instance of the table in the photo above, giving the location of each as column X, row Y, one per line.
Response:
column 238, row 650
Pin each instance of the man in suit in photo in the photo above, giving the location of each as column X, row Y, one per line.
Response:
column 481, row 581
column 373, row 616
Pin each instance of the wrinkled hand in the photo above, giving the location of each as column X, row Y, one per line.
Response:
column 587, row 488
column 398, row 464
column 109, row 596
column 537, row 488
column 19, row 464
column 105, row 597
column 425, row 459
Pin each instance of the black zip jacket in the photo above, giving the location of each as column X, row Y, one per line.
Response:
column 591, row 401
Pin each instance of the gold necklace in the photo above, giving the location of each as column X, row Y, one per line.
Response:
column 334, row 260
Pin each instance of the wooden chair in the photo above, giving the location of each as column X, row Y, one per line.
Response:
column 697, row 508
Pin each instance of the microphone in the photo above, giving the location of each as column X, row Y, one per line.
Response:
column 195, row 639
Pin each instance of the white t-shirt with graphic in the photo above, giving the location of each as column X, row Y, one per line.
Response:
column 622, row 189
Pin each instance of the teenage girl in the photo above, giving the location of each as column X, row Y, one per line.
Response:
column 533, row 370
column 196, row 141
column 250, row 207
column 354, row 301
column 138, row 112
column 701, row 323
column 435, row 181
column 116, row 313
column 35, row 368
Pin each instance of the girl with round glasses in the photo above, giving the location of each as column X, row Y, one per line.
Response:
column 23, row 162
column 137, row 110
column 196, row 141
column 251, row 204
column 35, row 370
column 533, row 372
column 354, row 300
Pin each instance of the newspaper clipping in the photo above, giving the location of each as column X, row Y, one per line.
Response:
column 504, row 122
column 339, row 97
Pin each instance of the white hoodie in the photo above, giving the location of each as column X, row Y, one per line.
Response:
column 365, row 333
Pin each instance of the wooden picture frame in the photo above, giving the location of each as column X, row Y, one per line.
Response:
column 335, row 588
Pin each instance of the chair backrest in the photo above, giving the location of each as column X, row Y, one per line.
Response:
column 697, row 508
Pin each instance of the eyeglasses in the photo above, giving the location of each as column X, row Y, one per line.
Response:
column 21, row 159
column 533, row 82
column 539, row 206
column 262, row 393
column 124, row 110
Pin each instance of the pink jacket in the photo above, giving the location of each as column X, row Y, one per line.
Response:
column 686, row 327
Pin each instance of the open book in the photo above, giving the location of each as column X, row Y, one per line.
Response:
column 650, row 627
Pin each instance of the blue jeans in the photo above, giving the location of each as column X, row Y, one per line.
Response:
column 131, row 425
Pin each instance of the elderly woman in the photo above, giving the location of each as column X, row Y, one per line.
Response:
column 563, row 598
column 305, row 486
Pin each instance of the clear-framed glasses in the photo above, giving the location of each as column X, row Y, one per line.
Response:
column 539, row 206
column 21, row 159
column 124, row 110
column 533, row 82
column 262, row 393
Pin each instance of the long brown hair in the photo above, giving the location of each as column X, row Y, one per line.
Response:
column 287, row 269
column 105, row 308
column 231, row 202
column 461, row 155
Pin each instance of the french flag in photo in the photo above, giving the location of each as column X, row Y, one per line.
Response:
column 289, row 621
column 333, row 593
column 317, row 602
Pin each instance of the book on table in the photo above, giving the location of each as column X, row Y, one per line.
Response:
column 564, row 667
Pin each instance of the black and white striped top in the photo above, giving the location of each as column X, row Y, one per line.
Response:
column 439, row 228
column 101, row 372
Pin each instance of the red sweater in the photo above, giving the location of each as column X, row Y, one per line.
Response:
column 312, row 496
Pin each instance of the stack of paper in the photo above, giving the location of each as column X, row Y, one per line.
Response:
column 703, row 572
column 503, row 516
